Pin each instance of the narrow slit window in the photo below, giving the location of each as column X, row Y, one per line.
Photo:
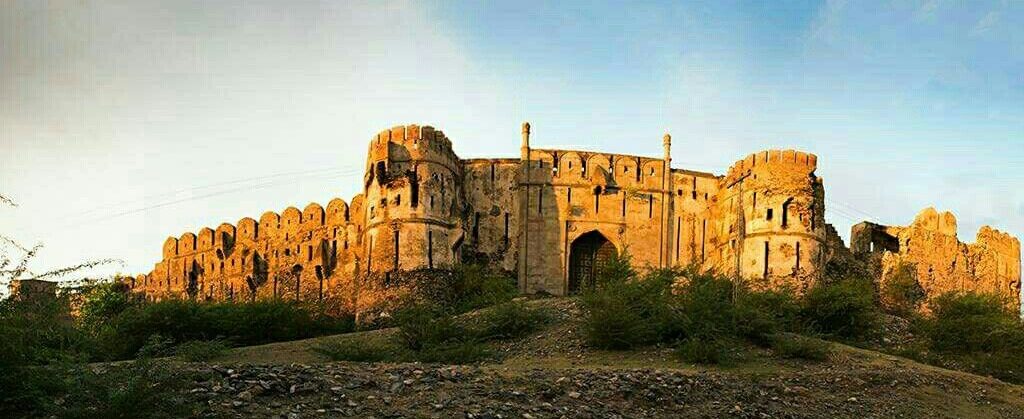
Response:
column 430, row 249
column 476, row 227
column 798, row 256
column 703, row 239
column 650, row 206
column 766, row 259
column 397, row 241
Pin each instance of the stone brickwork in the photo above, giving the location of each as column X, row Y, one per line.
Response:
column 942, row 262
column 551, row 218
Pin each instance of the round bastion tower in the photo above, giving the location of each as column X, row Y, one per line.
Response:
column 413, row 202
column 773, row 220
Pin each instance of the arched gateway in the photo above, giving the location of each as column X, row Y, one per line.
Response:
column 588, row 255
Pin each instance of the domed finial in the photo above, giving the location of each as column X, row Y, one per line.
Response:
column 524, row 148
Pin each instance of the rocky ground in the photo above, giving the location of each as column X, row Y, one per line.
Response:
column 438, row 391
column 552, row 375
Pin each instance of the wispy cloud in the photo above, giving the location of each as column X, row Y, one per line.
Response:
column 985, row 24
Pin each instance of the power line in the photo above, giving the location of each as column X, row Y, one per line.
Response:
column 208, row 195
column 213, row 185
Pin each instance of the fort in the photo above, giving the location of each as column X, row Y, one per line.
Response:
column 552, row 218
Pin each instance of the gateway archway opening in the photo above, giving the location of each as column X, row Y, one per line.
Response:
column 588, row 256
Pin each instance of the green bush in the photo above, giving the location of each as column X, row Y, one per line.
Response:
column 422, row 326
column 512, row 320
column 972, row 322
column 430, row 334
column 797, row 347
column 363, row 350
column 703, row 309
column 844, row 310
column 249, row 323
column 623, row 310
column 901, row 294
column 761, row 314
column 615, row 319
column 975, row 332
column 141, row 389
column 476, row 286
column 201, row 350
column 137, row 389
column 704, row 351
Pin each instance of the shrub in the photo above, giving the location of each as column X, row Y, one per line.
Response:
column 140, row 389
column 614, row 319
column 972, row 322
column 475, row 287
column 798, row 347
column 703, row 351
column 703, row 309
column 760, row 314
column 512, row 320
column 845, row 310
column 423, row 326
column 103, row 302
column 198, row 351
column 356, row 350
column 432, row 335
column 249, row 323
column 901, row 294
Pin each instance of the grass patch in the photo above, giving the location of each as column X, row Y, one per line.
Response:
column 357, row 350
column 512, row 320
column 199, row 351
column 704, row 351
column 789, row 346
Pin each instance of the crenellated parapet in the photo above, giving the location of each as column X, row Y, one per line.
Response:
column 551, row 217
column 772, row 161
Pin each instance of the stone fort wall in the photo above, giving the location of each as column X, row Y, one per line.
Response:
column 536, row 216
column 942, row 262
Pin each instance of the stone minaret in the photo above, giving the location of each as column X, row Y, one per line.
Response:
column 668, row 224
column 524, row 205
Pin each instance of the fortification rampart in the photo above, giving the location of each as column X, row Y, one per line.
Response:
column 941, row 262
column 554, row 217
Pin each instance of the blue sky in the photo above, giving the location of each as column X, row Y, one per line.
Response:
column 124, row 122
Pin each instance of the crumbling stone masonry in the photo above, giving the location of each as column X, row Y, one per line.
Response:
column 943, row 263
column 551, row 217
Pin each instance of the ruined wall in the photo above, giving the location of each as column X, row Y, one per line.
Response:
column 943, row 263
column 296, row 255
column 422, row 207
column 772, row 225
column 695, row 225
column 492, row 221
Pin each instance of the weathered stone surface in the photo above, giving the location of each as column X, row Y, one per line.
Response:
column 943, row 263
column 549, row 216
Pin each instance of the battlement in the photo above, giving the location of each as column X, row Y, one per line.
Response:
column 419, row 140
column 994, row 238
column 291, row 221
column 771, row 160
